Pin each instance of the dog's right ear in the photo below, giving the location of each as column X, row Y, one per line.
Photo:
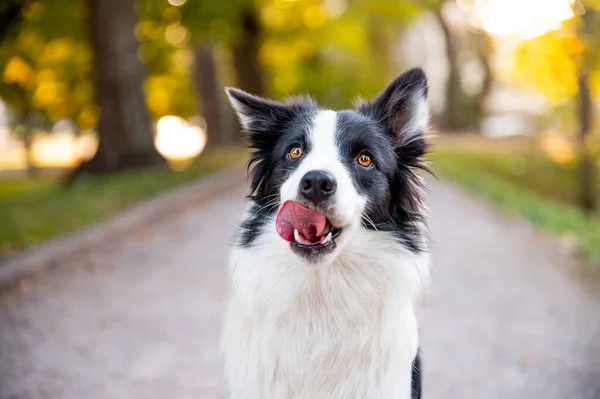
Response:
column 263, row 121
column 255, row 114
column 260, row 115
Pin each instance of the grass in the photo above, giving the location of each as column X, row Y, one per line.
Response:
column 34, row 210
column 525, row 183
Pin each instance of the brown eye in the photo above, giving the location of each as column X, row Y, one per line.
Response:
column 295, row 152
column 364, row 160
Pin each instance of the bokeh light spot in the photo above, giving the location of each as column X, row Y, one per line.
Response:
column 314, row 16
column 176, row 34
column 176, row 139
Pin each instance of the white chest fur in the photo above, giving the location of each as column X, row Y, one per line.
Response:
column 347, row 330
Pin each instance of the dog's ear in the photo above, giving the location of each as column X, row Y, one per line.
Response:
column 260, row 115
column 256, row 114
column 402, row 106
column 263, row 121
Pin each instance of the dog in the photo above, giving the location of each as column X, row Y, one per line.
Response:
column 332, row 252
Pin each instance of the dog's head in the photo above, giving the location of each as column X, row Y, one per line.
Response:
column 321, row 174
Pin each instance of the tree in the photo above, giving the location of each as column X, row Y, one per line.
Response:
column 453, row 116
column 50, row 65
column 564, row 65
column 587, row 33
column 332, row 50
column 484, row 50
column 46, row 74
column 209, row 94
column 216, row 28
column 167, row 55
column 248, row 71
column 462, row 110
column 125, row 136
column 235, row 24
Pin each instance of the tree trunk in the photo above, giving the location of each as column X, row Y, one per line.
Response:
column 32, row 169
column 209, row 94
column 587, row 169
column 485, row 51
column 25, row 131
column 124, row 132
column 245, row 55
column 452, row 118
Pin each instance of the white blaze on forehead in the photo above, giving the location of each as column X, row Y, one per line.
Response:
column 322, row 137
column 323, row 154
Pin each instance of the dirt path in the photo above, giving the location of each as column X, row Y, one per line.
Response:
column 509, row 316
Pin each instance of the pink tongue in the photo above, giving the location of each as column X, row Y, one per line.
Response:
column 292, row 216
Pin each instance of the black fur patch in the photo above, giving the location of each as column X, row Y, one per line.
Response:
column 400, row 149
column 391, row 186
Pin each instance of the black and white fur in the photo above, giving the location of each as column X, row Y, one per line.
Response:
column 338, row 324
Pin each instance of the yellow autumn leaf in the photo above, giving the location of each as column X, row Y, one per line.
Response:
column 18, row 71
column 547, row 64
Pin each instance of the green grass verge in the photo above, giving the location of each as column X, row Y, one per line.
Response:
column 543, row 193
column 33, row 210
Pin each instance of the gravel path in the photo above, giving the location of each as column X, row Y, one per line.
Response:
column 509, row 315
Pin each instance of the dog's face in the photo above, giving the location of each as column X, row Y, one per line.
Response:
column 323, row 174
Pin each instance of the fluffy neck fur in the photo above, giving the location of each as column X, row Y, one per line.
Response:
column 346, row 330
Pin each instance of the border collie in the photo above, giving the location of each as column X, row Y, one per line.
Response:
column 332, row 252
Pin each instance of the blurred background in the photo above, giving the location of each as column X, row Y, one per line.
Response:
column 92, row 87
column 105, row 104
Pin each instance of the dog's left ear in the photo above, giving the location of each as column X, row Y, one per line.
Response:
column 402, row 106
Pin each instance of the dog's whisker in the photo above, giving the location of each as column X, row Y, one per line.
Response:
column 368, row 220
column 270, row 205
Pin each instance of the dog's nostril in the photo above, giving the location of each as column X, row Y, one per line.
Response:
column 317, row 185
column 327, row 186
column 306, row 184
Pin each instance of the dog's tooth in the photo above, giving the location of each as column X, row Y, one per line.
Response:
column 297, row 236
column 326, row 239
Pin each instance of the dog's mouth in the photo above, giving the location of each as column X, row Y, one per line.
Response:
column 306, row 229
column 326, row 240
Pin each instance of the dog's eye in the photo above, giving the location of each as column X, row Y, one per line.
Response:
column 364, row 160
column 295, row 152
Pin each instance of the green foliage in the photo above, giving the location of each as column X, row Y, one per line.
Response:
column 164, row 49
column 541, row 195
column 46, row 63
column 333, row 50
column 549, row 63
column 531, row 170
column 33, row 210
column 214, row 21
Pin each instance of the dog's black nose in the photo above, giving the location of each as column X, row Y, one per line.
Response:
column 317, row 186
